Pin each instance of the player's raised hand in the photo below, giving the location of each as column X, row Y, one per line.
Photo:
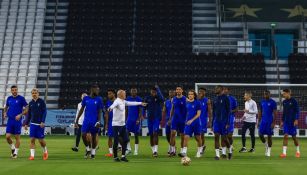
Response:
column 295, row 122
column 144, row 104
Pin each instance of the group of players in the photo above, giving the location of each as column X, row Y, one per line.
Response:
column 15, row 108
column 188, row 116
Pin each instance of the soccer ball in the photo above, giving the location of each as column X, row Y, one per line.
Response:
column 185, row 161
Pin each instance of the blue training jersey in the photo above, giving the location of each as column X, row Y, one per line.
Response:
column 133, row 111
column 168, row 108
column 15, row 105
column 179, row 108
column 267, row 108
column 233, row 103
column 154, row 105
column 92, row 106
column 290, row 110
column 192, row 108
column 221, row 109
column 204, row 108
column 37, row 111
column 106, row 106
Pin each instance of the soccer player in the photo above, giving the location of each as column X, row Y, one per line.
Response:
column 221, row 111
column 249, row 119
column 37, row 116
column 193, row 123
column 177, row 119
column 206, row 111
column 134, row 117
column 93, row 106
column 289, row 121
column 230, row 129
column 15, row 108
column 154, row 116
column 119, row 125
column 266, row 117
column 166, row 113
column 78, row 130
column 109, row 117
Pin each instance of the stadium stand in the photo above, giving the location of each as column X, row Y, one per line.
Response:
column 297, row 68
column 145, row 43
column 21, row 34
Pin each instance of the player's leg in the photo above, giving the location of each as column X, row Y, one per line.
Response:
column 224, row 137
column 32, row 148
column 199, row 145
column 217, row 145
column 252, row 134
column 17, row 145
column 243, row 138
column 168, row 137
column 44, row 148
column 269, row 146
column 230, row 139
column 10, row 142
column 115, row 130
column 185, row 146
column 181, row 131
column 155, row 128
column 295, row 140
column 136, row 138
column 224, row 151
column 95, row 138
column 125, row 139
column 174, row 128
column 78, row 138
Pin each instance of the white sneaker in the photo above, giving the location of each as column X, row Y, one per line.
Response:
column 128, row 152
column 198, row 155
column 135, row 153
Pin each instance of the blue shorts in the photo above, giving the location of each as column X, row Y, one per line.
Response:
column 265, row 129
column 231, row 126
column 178, row 125
column 220, row 128
column 13, row 127
column 37, row 132
column 133, row 127
column 204, row 124
column 289, row 129
column 110, row 130
column 89, row 127
column 153, row 126
column 195, row 128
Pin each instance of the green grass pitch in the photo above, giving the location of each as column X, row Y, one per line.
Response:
column 64, row 161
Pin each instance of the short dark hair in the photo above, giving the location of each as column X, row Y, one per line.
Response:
column 14, row 86
column 94, row 86
column 153, row 88
column 267, row 92
column 286, row 90
column 179, row 86
column 204, row 89
column 111, row 90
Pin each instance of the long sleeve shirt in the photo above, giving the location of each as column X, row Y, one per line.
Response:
column 37, row 112
column 251, row 115
column 221, row 109
column 291, row 111
column 154, row 106
column 80, row 122
column 119, row 111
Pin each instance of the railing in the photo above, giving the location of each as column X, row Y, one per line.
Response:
column 224, row 45
column 296, row 46
column 51, row 49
